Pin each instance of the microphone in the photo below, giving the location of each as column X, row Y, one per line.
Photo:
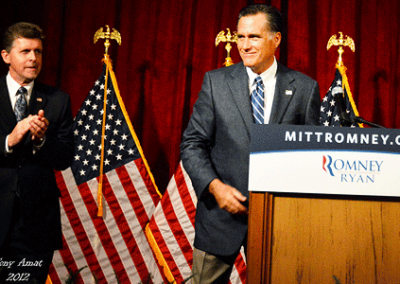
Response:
column 338, row 93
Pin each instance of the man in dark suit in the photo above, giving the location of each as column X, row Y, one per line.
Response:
column 35, row 139
column 216, row 144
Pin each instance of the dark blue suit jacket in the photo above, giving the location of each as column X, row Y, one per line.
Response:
column 32, row 172
column 216, row 144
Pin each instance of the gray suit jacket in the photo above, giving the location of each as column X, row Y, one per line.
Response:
column 216, row 144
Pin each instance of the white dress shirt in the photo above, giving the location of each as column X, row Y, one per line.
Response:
column 13, row 87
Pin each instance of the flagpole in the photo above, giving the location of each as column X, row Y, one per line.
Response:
column 107, row 35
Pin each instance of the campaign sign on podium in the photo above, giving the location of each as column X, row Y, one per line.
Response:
column 325, row 160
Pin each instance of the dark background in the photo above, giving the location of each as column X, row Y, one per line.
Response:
column 167, row 46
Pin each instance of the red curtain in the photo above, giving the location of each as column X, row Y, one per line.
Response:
column 167, row 46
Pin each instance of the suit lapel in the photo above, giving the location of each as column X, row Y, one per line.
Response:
column 37, row 101
column 238, row 83
column 284, row 91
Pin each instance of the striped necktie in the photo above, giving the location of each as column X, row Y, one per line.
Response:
column 257, row 101
column 20, row 104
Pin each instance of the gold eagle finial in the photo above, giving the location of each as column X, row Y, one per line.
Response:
column 229, row 38
column 107, row 35
column 341, row 42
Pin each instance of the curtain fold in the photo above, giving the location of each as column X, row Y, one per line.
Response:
column 167, row 46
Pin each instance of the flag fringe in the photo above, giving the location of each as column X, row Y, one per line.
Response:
column 159, row 255
column 342, row 69
column 128, row 121
column 48, row 280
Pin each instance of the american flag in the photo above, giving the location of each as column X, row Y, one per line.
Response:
column 114, row 247
column 172, row 231
column 329, row 112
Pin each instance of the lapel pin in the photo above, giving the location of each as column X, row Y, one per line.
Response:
column 39, row 99
column 289, row 92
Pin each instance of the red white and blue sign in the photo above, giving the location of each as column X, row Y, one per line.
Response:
column 325, row 160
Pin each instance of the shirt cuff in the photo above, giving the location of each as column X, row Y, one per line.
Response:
column 8, row 150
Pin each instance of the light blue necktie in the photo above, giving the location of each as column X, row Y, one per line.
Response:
column 257, row 101
column 20, row 104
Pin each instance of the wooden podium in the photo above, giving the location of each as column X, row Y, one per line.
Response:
column 297, row 237
column 314, row 239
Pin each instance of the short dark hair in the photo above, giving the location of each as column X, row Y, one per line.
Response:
column 21, row 30
column 273, row 15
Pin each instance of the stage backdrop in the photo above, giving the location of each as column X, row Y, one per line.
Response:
column 167, row 46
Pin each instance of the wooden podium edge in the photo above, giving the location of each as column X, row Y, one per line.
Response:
column 259, row 242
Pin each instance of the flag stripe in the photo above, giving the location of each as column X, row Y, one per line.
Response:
column 175, row 225
column 55, row 278
column 186, row 196
column 134, row 198
column 125, row 232
column 79, row 231
column 140, row 165
column 102, row 231
column 240, row 265
column 172, row 226
column 139, row 250
column 159, row 237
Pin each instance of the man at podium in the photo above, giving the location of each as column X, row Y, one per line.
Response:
column 216, row 144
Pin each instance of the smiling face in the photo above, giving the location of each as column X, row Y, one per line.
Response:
column 24, row 59
column 256, row 43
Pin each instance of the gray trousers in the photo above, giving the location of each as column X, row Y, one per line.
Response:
column 211, row 269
